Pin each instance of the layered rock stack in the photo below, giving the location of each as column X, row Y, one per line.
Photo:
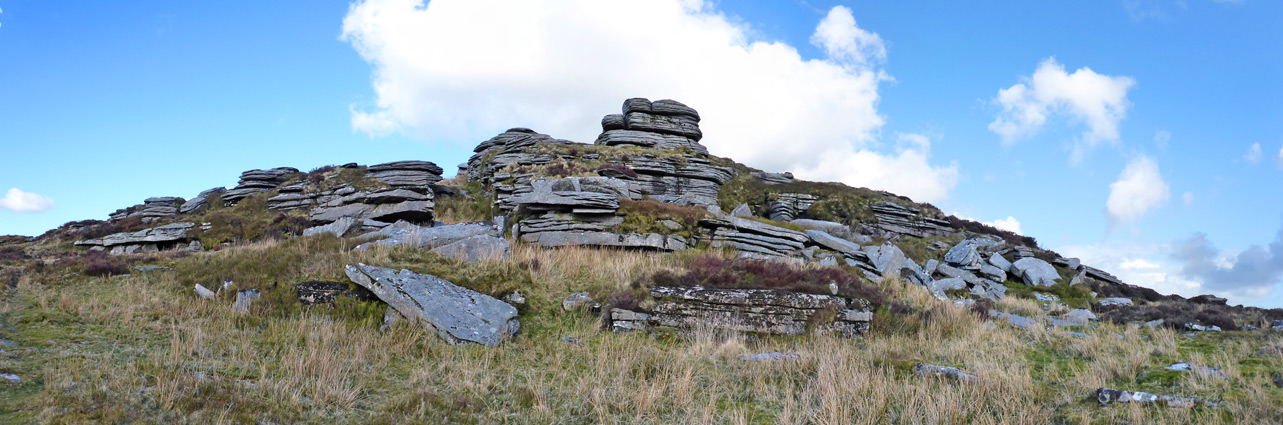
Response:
column 787, row 206
column 747, row 310
column 581, row 211
column 662, row 124
column 409, row 196
column 417, row 176
column 123, row 213
column 160, row 238
column 257, row 181
column 772, row 178
column 156, row 209
column 895, row 221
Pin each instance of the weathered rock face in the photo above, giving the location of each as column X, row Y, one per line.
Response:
column 160, row 238
column 747, row 310
column 475, row 248
column 408, row 196
column 457, row 314
column 1035, row 272
column 787, row 206
column 411, row 175
column 754, row 239
column 257, row 181
column 404, row 233
column 201, row 201
column 158, row 208
column 773, row 178
column 662, row 124
column 894, row 221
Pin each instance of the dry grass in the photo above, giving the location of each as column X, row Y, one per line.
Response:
column 156, row 353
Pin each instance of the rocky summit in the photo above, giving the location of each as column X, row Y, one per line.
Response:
column 588, row 281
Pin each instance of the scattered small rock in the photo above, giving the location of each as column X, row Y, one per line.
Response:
column 1050, row 298
column 10, row 377
column 148, row 269
column 579, row 300
column 8, row 342
column 575, row 341
column 1186, row 367
column 243, row 298
column 923, row 369
column 1081, row 316
column 1015, row 320
column 204, row 292
column 1277, row 325
column 1116, row 301
column 1200, row 328
column 515, row 298
column 771, row 357
column 1109, row 395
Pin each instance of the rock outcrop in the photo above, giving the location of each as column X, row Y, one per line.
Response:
column 159, row 238
column 1035, row 272
column 457, row 314
column 753, row 238
column 159, row 208
column 257, row 181
column 788, row 206
column 894, row 220
column 747, row 310
column 662, row 124
column 201, row 201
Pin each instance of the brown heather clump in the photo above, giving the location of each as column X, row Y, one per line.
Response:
column 711, row 271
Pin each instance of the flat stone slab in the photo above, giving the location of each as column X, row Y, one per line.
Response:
column 457, row 314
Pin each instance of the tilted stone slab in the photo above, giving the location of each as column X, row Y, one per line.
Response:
column 457, row 314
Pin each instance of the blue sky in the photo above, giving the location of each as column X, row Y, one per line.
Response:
column 1143, row 162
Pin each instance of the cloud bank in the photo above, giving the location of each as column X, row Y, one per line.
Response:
column 463, row 70
column 24, row 202
column 1139, row 188
column 1099, row 101
column 1252, row 272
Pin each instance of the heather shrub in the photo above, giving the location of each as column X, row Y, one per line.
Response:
column 714, row 272
column 317, row 175
column 618, row 167
column 101, row 264
column 12, row 253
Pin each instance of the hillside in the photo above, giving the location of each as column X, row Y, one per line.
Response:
column 635, row 279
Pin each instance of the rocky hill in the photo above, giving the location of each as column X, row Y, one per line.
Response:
column 642, row 240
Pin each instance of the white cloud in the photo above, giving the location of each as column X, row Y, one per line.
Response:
column 1253, row 153
column 1099, row 101
column 1138, row 264
column 463, row 70
column 1009, row 224
column 1139, row 188
column 24, row 202
column 1147, row 265
column 1188, row 198
column 1162, row 138
column 1279, row 158
column 843, row 40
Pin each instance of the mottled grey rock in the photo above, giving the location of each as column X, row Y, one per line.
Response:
column 893, row 220
column 1035, row 272
column 455, row 313
column 1115, row 301
column 750, row 310
column 168, row 235
column 787, row 206
column 404, row 233
column 1013, row 319
column 648, row 241
column 1080, row 316
column 567, row 201
column 773, row 178
column 1277, row 325
column 742, row 211
column 514, row 298
column 998, row 261
column 964, row 255
column 1047, row 298
column 10, row 377
column 888, row 259
column 1109, row 396
column 1186, row 367
column 993, row 273
column 204, row 292
column 475, row 248
column 646, row 139
column 770, row 357
column 923, row 369
column 243, row 299
column 827, row 241
column 1201, row 328
column 579, row 300
column 948, row 284
column 342, row 227
column 147, row 269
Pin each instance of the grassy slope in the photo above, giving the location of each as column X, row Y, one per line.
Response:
column 143, row 348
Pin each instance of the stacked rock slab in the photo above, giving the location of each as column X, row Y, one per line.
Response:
column 754, row 239
column 158, row 208
column 408, row 195
column 580, row 211
column 662, row 124
column 894, row 220
column 257, row 181
column 154, row 239
column 772, row 178
column 787, row 206
column 123, row 213
column 747, row 310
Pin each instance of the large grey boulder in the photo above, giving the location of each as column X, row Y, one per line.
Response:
column 1080, row 316
column 1035, row 272
column 475, row 248
column 997, row 260
column 457, row 314
column 825, row 240
column 888, row 259
column 342, row 227
column 1014, row 319
column 742, row 211
column 964, row 255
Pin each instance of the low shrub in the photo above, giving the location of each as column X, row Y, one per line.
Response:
column 317, row 175
column 715, row 272
column 102, row 264
column 12, row 253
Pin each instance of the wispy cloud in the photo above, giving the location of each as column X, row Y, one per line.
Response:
column 24, row 202
column 1139, row 188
